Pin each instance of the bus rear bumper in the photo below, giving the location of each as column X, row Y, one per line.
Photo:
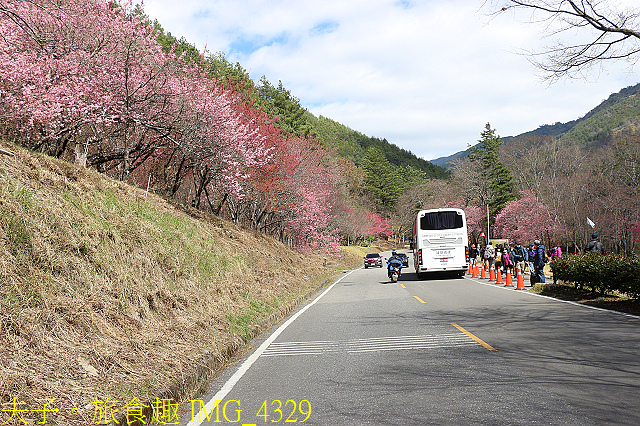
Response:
column 464, row 267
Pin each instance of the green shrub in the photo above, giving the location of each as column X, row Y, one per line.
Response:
column 600, row 273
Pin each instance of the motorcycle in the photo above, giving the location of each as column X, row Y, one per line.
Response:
column 394, row 273
column 394, row 266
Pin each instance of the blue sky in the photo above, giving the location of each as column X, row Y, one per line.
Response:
column 426, row 75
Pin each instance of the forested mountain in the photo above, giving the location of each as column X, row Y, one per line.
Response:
column 353, row 145
column 618, row 114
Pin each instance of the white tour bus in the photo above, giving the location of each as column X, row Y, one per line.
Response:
column 440, row 241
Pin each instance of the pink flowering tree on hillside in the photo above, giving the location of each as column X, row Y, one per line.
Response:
column 527, row 219
column 86, row 80
column 88, row 77
column 349, row 220
column 313, row 187
column 264, row 202
column 356, row 223
column 221, row 141
column 379, row 226
column 86, row 73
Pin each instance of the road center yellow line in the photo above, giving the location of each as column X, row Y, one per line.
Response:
column 402, row 285
column 477, row 339
column 419, row 300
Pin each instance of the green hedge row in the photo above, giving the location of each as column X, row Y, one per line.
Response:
column 600, row 273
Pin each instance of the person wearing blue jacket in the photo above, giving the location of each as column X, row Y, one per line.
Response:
column 539, row 261
column 394, row 262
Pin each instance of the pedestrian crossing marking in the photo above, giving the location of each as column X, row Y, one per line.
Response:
column 373, row 344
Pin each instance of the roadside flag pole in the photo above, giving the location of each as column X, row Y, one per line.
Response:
column 487, row 223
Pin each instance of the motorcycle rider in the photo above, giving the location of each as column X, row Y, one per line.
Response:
column 394, row 261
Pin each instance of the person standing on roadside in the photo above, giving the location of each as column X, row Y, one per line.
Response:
column 507, row 262
column 520, row 256
column 539, row 260
column 594, row 245
column 473, row 255
column 497, row 259
column 556, row 253
column 489, row 254
column 531, row 253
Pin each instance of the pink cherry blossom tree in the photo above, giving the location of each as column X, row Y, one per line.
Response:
column 88, row 73
column 313, row 188
column 86, row 80
column 527, row 219
column 379, row 226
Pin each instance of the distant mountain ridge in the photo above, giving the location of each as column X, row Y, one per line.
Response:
column 620, row 112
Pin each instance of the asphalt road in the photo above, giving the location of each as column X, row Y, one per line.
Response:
column 443, row 351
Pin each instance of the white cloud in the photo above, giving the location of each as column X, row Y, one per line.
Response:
column 425, row 75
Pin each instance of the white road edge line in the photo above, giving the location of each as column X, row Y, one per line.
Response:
column 557, row 300
column 226, row 388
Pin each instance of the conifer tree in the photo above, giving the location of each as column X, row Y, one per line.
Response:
column 383, row 182
column 498, row 180
column 279, row 102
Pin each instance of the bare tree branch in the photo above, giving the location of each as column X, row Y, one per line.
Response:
column 609, row 34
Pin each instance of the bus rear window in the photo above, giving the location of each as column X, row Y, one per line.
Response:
column 440, row 220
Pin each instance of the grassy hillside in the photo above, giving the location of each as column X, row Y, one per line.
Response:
column 107, row 292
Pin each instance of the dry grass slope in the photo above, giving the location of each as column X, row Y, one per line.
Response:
column 108, row 293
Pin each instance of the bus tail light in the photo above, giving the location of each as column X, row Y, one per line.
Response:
column 420, row 257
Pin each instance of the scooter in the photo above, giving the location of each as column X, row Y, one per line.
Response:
column 394, row 266
column 394, row 273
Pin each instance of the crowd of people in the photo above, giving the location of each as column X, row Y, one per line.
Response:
column 514, row 255
column 511, row 256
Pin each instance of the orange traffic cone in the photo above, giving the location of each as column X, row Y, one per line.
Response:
column 474, row 271
column 469, row 269
column 499, row 277
column 492, row 274
column 483, row 275
column 520, row 280
column 509, row 281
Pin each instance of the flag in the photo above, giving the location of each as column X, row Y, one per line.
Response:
column 590, row 223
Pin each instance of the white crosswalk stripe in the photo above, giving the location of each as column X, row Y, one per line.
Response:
column 374, row 344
